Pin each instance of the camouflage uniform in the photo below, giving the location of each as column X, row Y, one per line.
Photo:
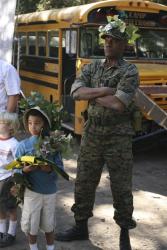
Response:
column 107, row 139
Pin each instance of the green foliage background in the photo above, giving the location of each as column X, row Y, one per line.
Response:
column 26, row 6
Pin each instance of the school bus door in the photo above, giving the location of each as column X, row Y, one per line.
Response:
column 69, row 57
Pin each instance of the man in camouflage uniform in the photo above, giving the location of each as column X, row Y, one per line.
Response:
column 109, row 85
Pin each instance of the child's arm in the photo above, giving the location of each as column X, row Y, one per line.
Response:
column 28, row 168
column 20, row 151
column 46, row 168
column 57, row 159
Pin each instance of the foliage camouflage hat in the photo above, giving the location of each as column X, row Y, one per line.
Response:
column 25, row 117
column 118, row 29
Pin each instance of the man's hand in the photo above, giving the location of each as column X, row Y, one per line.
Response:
column 106, row 91
column 111, row 102
column 85, row 93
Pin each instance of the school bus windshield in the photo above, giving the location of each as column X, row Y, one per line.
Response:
column 152, row 44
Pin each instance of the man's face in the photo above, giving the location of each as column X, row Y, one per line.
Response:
column 113, row 48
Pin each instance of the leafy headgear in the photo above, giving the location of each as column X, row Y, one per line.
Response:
column 52, row 109
column 118, row 29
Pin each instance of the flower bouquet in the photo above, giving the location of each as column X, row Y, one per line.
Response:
column 57, row 141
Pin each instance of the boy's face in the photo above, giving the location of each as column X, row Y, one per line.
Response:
column 35, row 124
column 5, row 128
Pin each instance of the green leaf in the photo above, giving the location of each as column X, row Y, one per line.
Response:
column 131, row 31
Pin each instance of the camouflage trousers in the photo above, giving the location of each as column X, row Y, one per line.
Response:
column 114, row 151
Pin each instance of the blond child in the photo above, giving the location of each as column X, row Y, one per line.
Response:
column 8, row 206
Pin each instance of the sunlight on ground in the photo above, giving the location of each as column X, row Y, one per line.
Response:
column 67, row 200
column 143, row 212
column 104, row 210
column 70, row 165
column 150, row 212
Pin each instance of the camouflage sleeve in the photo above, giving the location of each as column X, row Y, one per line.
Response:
column 83, row 80
column 128, row 84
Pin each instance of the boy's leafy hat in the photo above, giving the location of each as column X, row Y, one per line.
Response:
column 118, row 29
column 25, row 117
column 53, row 110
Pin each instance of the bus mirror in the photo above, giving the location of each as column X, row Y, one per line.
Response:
column 71, row 41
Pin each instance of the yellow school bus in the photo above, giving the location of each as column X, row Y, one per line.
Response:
column 55, row 44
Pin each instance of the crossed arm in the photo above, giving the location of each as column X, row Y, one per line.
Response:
column 102, row 95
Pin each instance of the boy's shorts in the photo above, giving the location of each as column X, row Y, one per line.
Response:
column 38, row 212
column 7, row 200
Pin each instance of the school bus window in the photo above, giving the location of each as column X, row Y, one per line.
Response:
column 100, row 15
column 63, row 41
column 64, row 54
column 32, row 43
column 15, row 50
column 15, row 45
column 92, row 46
column 53, row 43
column 23, row 43
column 42, row 38
column 89, row 42
column 152, row 44
column 130, row 50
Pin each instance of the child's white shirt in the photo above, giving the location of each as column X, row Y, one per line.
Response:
column 7, row 155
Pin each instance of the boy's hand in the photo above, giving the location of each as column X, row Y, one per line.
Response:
column 45, row 168
column 28, row 168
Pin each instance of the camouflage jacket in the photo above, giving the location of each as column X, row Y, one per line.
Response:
column 123, row 78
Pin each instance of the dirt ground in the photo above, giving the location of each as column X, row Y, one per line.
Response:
column 150, row 202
